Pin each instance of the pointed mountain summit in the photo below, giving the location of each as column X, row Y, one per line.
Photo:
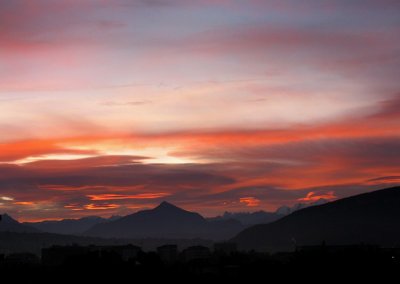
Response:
column 8, row 224
column 167, row 206
column 164, row 221
column 165, row 211
column 5, row 218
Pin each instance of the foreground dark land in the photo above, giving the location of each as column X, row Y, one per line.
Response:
column 199, row 263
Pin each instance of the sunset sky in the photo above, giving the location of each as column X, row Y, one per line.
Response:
column 109, row 107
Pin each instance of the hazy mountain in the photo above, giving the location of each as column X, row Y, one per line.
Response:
column 286, row 210
column 264, row 217
column 70, row 226
column 248, row 218
column 8, row 224
column 165, row 221
column 372, row 218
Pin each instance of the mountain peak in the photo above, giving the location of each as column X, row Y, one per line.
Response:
column 7, row 223
column 7, row 218
column 165, row 221
column 166, row 205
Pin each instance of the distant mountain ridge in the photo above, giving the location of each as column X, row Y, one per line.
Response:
column 248, row 218
column 264, row 217
column 70, row 226
column 372, row 218
column 286, row 210
column 166, row 221
column 214, row 227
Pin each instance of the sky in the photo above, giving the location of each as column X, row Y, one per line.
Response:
column 110, row 107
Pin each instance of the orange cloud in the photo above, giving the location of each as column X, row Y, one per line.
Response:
column 314, row 196
column 124, row 196
column 23, row 203
column 16, row 150
column 61, row 187
column 73, row 207
column 107, row 206
column 250, row 201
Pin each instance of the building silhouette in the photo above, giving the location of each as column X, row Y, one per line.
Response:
column 168, row 253
column 225, row 248
column 59, row 255
column 22, row 259
column 195, row 253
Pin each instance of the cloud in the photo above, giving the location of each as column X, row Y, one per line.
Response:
column 95, row 161
column 389, row 109
column 22, row 149
column 6, row 198
column 315, row 196
column 382, row 180
column 250, row 201
column 110, row 196
column 129, row 103
column 102, row 206
column 25, row 203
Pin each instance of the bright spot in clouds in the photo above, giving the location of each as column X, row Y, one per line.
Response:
column 6, row 198
column 250, row 201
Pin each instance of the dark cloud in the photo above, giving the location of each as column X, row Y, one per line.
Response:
column 389, row 109
column 46, row 180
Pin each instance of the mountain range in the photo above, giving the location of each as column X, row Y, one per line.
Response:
column 248, row 218
column 214, row 227
column 264, row 217
column 166, row 221
column 286, row 210
column 371, row 218
column 70, row 226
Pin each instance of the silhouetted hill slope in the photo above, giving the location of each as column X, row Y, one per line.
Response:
column 372, row 218
column 8, row 224
column 165, row 221
column 68, row 226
